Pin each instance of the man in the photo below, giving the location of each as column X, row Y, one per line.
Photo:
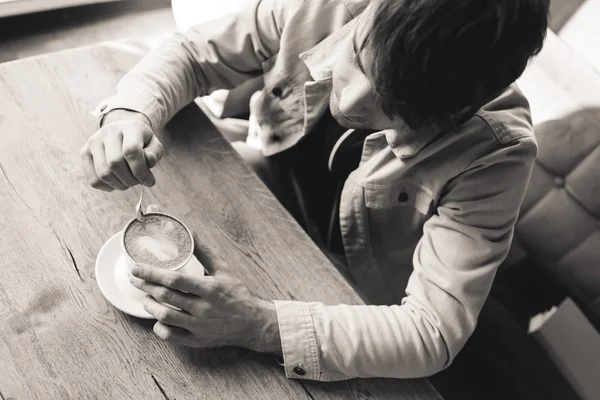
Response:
column 409, row 151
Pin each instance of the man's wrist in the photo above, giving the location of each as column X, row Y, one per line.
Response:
column 121, row 114
column 266, row 338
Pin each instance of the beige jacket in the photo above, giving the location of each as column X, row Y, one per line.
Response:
column 426, row 218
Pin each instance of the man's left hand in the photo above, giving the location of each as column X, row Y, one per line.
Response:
column 215, row 311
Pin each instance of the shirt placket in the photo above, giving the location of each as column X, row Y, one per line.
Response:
column 316, row 100
column 352, row 211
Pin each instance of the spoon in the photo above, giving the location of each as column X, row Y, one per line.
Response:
column 139, row 214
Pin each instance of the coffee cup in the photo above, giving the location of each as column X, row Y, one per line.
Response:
column 162, row 241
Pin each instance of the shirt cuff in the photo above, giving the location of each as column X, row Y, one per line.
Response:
column 138, row 101
column 298, row 340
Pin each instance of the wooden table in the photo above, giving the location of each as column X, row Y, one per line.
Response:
column 59, row 337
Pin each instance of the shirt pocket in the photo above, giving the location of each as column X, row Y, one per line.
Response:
column 396, row 214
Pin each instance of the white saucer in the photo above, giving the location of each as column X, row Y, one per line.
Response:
column 113, row 279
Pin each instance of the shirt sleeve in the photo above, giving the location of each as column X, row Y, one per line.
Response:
column 219, row 54
column 455, row 263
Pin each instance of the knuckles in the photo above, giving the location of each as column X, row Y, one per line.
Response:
column 104, row 174
column 131, row 152
column 111, row 129
column 174, row 280
column 164, row 294
column 115, row 165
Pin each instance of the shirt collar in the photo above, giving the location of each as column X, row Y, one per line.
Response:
column 404, row 141
column 321, row 58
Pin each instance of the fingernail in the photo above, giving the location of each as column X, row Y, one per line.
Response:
column 135, row 270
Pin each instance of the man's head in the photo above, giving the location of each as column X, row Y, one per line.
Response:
column 433, row 61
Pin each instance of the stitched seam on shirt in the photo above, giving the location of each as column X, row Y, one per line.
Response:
column 311, row 341
column 187, row 45
column 151, row 112
column 477, row 156
column 315, row 345
column 503, row 131
column 156, row 113
column 349, row 242
column 398, row 182
column 275, row 22
column 283, row 347
column 497, row 135
column 487, row 149
column 152, row 104
column 149, row 99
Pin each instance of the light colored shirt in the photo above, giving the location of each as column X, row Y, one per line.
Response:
column 426, row 218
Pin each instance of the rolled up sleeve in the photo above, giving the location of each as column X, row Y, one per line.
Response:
column 219, row 54
column 455, row 263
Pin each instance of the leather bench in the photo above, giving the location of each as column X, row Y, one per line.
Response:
column 559, row 223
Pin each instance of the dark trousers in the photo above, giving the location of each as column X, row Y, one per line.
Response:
column 501, row 361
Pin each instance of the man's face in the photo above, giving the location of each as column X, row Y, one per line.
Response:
column 352, row 99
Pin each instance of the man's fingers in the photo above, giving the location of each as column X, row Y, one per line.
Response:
column 166, row 314
column 172, row 334
column 153, row 151
column 113, row 150
column 134, row 140
column 165, row 295
column 87, row 162
column 203, row 286
column 103, row 172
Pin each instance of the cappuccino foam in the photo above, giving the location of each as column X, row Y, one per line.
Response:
column 158, row 240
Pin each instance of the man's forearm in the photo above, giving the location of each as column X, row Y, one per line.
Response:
column 220, row 54
column 161, row 84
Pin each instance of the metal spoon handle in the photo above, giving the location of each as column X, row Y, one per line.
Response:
column 139, row 213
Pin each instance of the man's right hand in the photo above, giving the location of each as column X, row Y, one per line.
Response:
column 121, row 153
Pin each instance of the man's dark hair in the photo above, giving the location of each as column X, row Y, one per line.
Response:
column 433, row 60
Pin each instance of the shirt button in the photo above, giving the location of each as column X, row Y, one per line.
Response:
column 299, row 370
column 403, row 197
column 103, row 108
column 276, row 91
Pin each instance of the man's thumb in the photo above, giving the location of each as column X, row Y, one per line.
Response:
column 205, row 255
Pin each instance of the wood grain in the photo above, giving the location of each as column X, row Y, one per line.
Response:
column 59, row 338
